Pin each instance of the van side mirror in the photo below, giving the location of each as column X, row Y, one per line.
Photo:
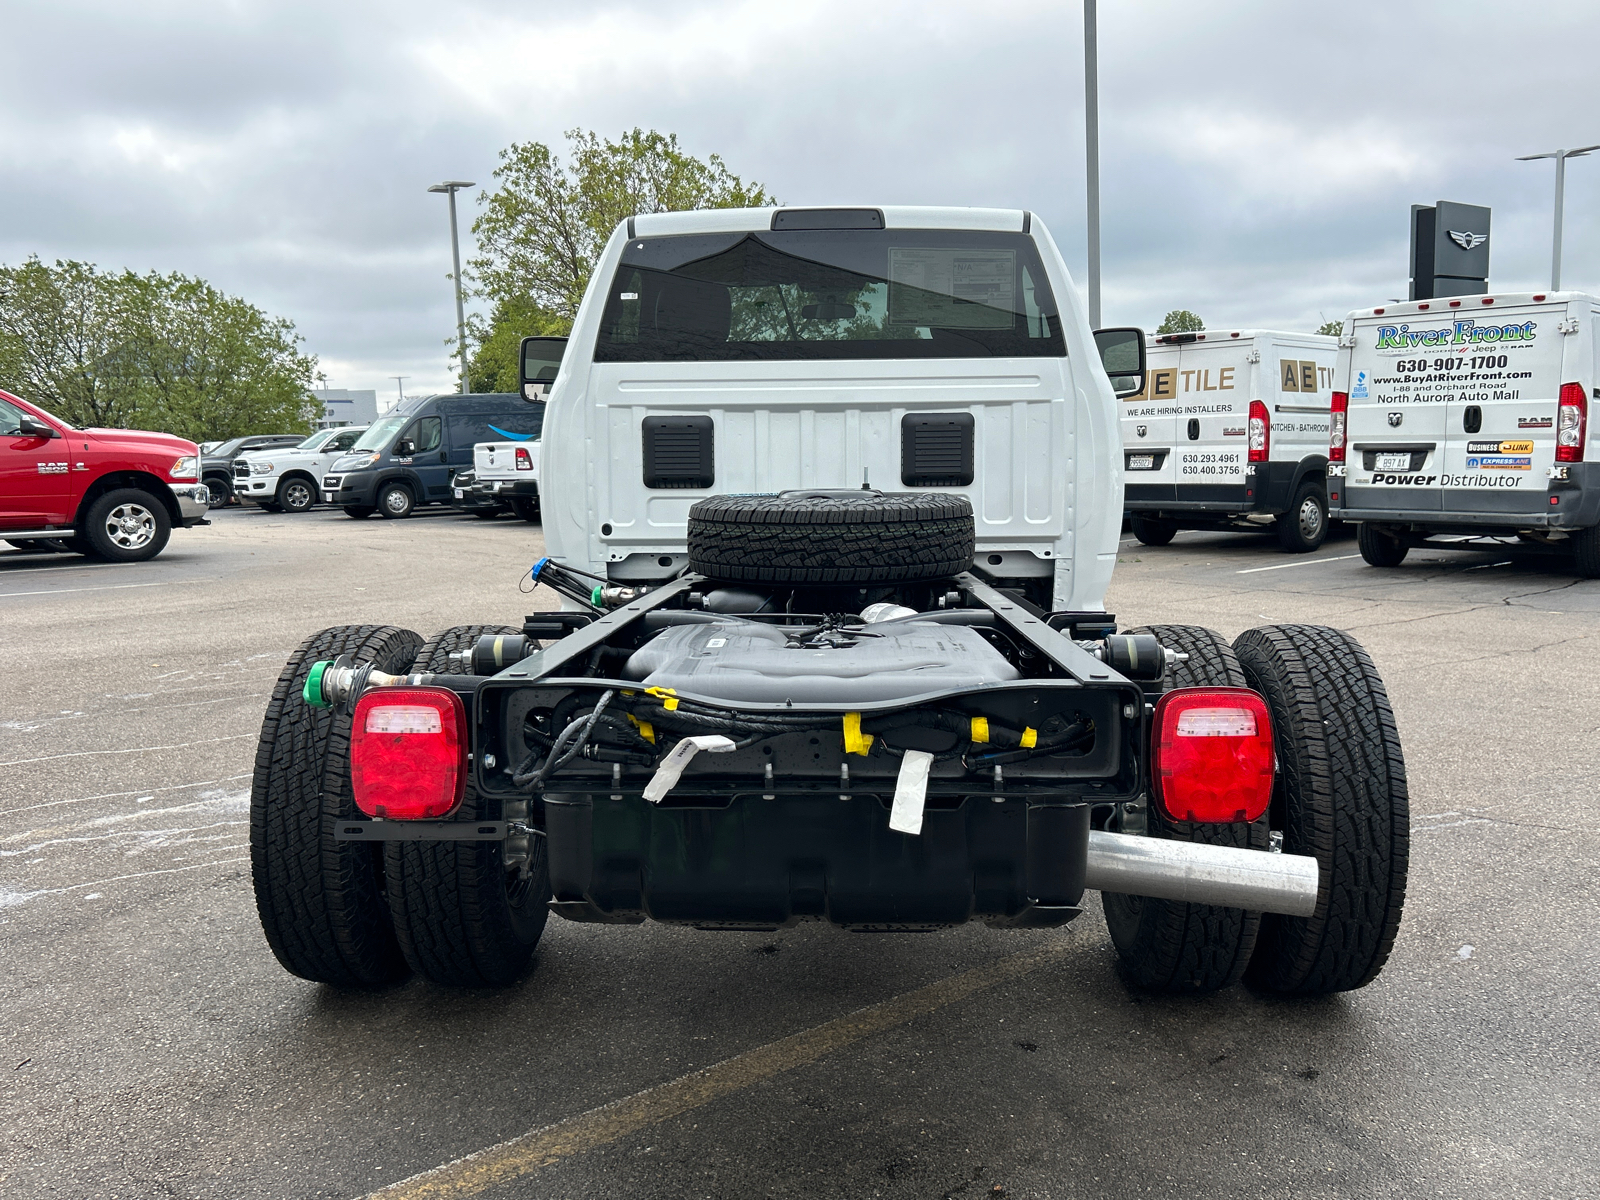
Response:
column 404, row 448
column 541, row 361
column 1122, row 356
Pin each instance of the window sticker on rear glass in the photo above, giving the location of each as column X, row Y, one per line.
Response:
column 952, row 289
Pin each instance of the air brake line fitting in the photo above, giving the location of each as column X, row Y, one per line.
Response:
column 339, row 682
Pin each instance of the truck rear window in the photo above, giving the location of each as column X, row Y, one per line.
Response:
column 829, row 294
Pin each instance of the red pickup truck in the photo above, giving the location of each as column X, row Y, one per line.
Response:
column 111, row 493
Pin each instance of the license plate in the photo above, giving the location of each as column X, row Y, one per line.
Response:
column 1141, row 462
column 1393, row 462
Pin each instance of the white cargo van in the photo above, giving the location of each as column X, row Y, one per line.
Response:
column 1469, row 415
column 1231, row 431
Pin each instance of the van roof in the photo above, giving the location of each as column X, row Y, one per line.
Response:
column 752, row 220
column 1225, row 335
column 1465, row 303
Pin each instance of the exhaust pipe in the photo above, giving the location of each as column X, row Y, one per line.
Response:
column 1255, row 880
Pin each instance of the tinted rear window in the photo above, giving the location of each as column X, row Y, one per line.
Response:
column 514, row 424
column 829, row 294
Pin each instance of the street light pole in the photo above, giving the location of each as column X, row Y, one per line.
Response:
column 450, row 187
column 1091, row 151
column 1561, row 157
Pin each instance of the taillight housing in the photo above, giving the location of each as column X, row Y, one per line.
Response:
column 1211, row 754
column 1336, row 426
column 1572, row 423
column 1260, row 427
column 524, row 459
column 408, row 753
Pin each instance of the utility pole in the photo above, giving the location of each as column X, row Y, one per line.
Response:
column 1561, row 157
column 1091, row 147
column 450, row 187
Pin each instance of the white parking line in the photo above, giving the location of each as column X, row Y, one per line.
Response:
column 171, row 787
column 232, row 737
column 109, row 587
column 1304, row 562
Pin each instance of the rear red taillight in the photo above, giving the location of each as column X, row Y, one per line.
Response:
column 1341, row 406
column 524, row 459
column 408, row 751
column 1211, row 754
column 1260, row 427
column 1572, row 423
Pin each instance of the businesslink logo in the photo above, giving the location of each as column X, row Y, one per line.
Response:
column 1465, row 332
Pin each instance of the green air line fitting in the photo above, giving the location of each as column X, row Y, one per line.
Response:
column 594, row 596
column 312, row 694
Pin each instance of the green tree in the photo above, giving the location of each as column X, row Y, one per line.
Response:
column 1180, row 320
column 154, row 351
column 1331, row 328
column 545, row 226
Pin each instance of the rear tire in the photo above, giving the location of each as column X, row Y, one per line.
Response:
column 1586, row 553
column 359, row 511
column 527, row 508
column 831, row 537
column 1154, row 531
column 296, row 495
column 1169, row 945
column 461, row 917
column 321, row 902
column 1340, row 794
column 126, row 525
column 395, row 501
column 1380, row 546
column 1304, row 526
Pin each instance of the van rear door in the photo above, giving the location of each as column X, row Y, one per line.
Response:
column 1397, row 412
column 1211, row 424
column 1149, row 423
column 1500, row 427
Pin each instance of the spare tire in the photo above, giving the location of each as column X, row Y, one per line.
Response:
column 831, row 537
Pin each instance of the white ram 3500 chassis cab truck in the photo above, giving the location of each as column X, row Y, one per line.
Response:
column 832, row 499
column 1466, row 418
column 1231, row 431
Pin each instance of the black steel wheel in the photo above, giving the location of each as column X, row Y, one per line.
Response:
column 1154, row 531
column 526, row 507
column 1170, row 945
column 468, row 914
column 1381, row 546
column 1304, row 525
column 1340, row 794
column 296, row 494
column 220, row 489
column 321, row 902
column 828, row 537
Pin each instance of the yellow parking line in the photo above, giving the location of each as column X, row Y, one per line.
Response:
column 600, row 1126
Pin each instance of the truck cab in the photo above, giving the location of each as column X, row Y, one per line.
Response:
column 116, row 494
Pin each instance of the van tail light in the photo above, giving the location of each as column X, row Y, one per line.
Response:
column 408, row 753
column 1572, row 421
column 1260, row 432
column 1341, row 408
column 1211, row 754
column 524, row 459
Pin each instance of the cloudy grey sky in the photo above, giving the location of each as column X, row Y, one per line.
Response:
column 1259, row 159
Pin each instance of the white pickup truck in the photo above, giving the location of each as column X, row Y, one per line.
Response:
column 507, row 472
column 287, row 478
column 833, row 500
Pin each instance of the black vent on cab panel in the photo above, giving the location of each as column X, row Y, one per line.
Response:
column 678, row 452
column 936, row 449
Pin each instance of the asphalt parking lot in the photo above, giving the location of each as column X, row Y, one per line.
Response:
column 153, row 1047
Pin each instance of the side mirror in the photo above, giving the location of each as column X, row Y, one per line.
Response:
column 1122, row 356
column 541, row 361
column 28, row 427
column 404, row 448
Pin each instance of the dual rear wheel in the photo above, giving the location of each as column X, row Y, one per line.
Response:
column 358, row 914
column 1339, row 795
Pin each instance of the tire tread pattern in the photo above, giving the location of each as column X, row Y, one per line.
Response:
column 451, row 915
column 1170, row 945
column 321, row 902
column 1341, row 795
